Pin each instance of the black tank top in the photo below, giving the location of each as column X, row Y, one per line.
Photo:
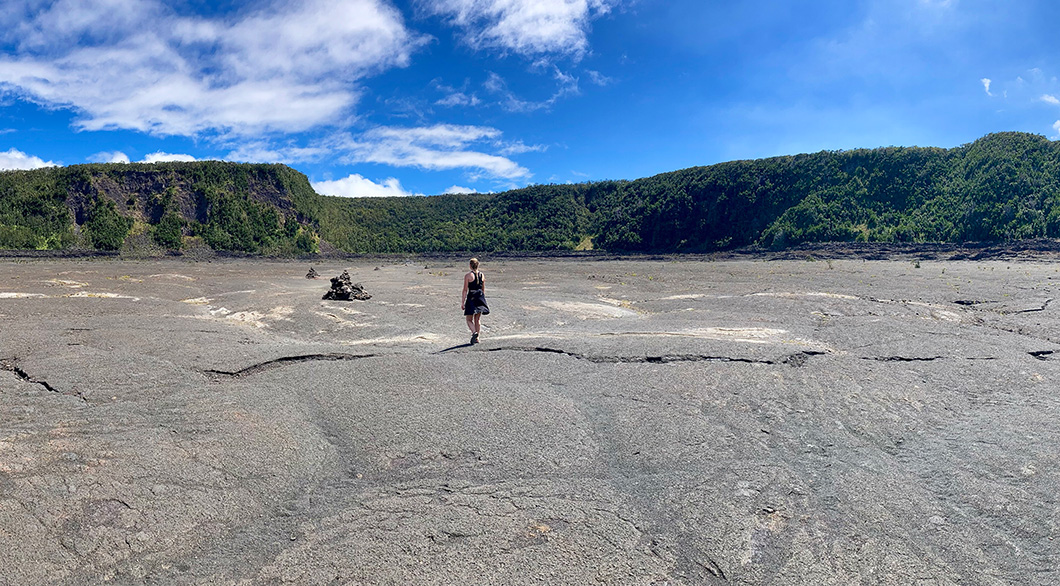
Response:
column 476, row 283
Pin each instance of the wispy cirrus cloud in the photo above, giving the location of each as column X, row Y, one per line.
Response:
column 519, row 147
column 137, row 64
column 455, row 96
column 438, row 147
column 459, row 99
column 258, row 151
column 357, row 186
column 14, row 159
column 496, row 85
column 599, row 79
column 482, row 151
column 526, row 27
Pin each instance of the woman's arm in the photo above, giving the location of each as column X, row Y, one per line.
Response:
column 463, row 294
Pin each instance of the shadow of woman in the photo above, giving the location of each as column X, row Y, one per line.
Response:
column 468, row 345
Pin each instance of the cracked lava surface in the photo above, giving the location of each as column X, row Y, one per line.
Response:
column 641, row 422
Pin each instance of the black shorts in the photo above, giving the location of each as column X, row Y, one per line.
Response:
column 476, row 303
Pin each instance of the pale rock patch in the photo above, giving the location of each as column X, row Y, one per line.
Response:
column 585, row 310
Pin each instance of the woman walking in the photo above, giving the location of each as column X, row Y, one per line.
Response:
column 473, row 299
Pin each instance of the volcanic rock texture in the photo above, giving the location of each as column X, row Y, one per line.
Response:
column 621, row 422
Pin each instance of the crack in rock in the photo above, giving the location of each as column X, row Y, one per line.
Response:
column 1019, row 331
column 1042, row 354
column 664, row 359
column 11, row 365
column 800, row 359
column 1031, row 310
column 1002, row 310
column 285, row 361
column 794, row 360
column 712, row 567
column 973, row 302
column 903, row 358
column 698, row 566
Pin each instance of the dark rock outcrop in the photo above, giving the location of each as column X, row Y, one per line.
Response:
column 344, row 289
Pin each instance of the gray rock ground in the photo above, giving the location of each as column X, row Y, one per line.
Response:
column 622, row 422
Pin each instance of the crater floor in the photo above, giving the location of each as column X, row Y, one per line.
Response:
column 641, row 422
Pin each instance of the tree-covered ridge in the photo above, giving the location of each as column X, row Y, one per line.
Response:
column 1003, row 186
column 539, row 217
column 228, row 206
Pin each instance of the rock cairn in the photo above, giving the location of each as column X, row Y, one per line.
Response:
column 344, row 289
column 312, row 274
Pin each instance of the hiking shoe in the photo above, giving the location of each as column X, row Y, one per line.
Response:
column 474, row 338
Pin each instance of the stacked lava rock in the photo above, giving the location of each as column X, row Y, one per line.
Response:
column 312, row 274
column 343, row 289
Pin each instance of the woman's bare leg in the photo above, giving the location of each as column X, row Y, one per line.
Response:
column 470, row 323
column 478, row 318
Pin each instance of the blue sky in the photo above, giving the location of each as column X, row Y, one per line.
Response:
column 401, row 97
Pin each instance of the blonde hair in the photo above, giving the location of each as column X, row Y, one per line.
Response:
column 474, row 264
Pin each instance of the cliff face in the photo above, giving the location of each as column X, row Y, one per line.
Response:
column 229, row 206
column 143, row 191
column 137, row 194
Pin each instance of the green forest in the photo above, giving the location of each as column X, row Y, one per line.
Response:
column 225, row 206
column 1004, row 186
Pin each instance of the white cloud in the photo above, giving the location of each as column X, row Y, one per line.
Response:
column 357, row 186
column 495, row 84
column 1056, row 127
column 439, row 147
column 136, row 64
column 440, row 135
column 599, row 79
column 161, row 157
column 1034, row 87
column 109, row 157
column 459, row 99
column 15, row 159
column 568, row 84
column 459, row 189
column 518, row 148
column 454, row 96
column 264, row 152
column 526, row 27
